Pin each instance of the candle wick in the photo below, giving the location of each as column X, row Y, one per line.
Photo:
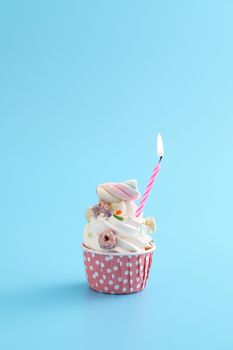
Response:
column 160, row 159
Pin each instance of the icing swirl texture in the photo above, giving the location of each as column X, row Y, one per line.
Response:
column 112, row 224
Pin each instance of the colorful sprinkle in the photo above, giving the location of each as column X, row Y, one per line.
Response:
column 117, row 212
column 118, row 217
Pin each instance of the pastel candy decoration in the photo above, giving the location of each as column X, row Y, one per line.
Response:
column 88, row 214
column 107, row 240
column 150, row 223
column 117, row 192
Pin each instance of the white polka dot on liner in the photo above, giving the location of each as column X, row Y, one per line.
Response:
column 126, row 273
column 137, row 279
column 113, row 276
column 97, row 262
column 131, row 281
column 107, row 258
column 93, row 255
column 109, row 270
column 101, row 281
column 88, row 259
column 137, row 271
column 125, row 281
column 119, row 279
column 115, row 268
column 124, row 289
column 102, row 265
column 91, row 267
column 130, row 272
column 104, row 277
column 131, row 289
column 116, row 286
column 110, row 282
column 106, row 288
column 129, row 264
column 138, row 286
column 137, row 262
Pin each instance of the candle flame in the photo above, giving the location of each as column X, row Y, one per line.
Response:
column 160, row 149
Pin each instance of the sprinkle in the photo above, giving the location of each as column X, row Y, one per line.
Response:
column 118, row 217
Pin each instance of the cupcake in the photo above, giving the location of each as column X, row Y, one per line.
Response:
column 117, row 244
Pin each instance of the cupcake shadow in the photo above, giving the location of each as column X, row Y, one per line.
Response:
column 49, row 296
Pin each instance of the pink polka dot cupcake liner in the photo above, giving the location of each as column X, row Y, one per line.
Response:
column 113, row 273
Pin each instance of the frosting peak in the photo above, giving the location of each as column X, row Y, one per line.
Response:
column 116, row 192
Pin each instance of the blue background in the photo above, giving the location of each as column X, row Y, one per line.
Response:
column 85, row 86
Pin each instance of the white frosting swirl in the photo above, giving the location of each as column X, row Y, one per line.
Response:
column 116, row 212
column 131, row 233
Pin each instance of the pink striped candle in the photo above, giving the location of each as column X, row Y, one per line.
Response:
column 160, row 153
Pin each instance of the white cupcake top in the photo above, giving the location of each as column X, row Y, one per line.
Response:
column 112, row 224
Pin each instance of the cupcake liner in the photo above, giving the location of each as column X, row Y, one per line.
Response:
column 114, row 273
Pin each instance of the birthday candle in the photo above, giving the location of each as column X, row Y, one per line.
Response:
column 160, row 153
